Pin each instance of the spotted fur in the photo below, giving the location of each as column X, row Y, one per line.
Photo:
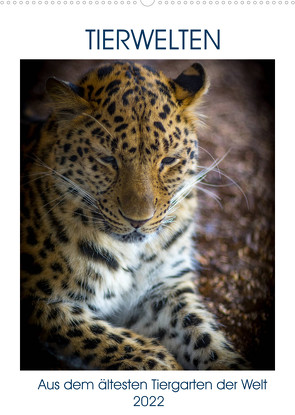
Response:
column 108, row 225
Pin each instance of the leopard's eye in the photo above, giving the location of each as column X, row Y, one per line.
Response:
column 168, row 160
column 110, row 160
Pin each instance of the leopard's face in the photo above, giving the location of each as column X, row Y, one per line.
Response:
column 126, row 145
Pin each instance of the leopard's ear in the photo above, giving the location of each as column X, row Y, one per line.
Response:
column 191, row 85
column 66, row 98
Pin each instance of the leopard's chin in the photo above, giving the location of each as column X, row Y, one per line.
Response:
column 134, row 236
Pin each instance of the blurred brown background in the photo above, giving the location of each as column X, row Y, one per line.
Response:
column 235, row 243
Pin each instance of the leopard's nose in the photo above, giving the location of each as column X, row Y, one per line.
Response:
column 136, row 223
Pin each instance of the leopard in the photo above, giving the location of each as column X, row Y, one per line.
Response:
column 108, row 226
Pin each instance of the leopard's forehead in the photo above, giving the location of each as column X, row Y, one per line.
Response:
column 130, row 88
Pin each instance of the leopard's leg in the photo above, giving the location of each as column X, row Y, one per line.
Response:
column 176, row 316
column 74, row 334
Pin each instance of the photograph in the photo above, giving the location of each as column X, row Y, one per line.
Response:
column 147, row 214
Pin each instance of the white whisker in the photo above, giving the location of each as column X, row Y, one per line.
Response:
column 99, row 123
column 233, row 182
column 87, row 197
column 207, row 152
column 97, row 220
column 57, row 198
column 40, row 175
column 168, row 219
column 199, row 179
column 53, row 207
column 212, row 195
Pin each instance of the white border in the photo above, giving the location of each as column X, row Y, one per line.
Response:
column 147, row 3
column 249, row 31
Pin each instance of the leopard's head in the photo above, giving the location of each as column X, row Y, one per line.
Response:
column 127, row 142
